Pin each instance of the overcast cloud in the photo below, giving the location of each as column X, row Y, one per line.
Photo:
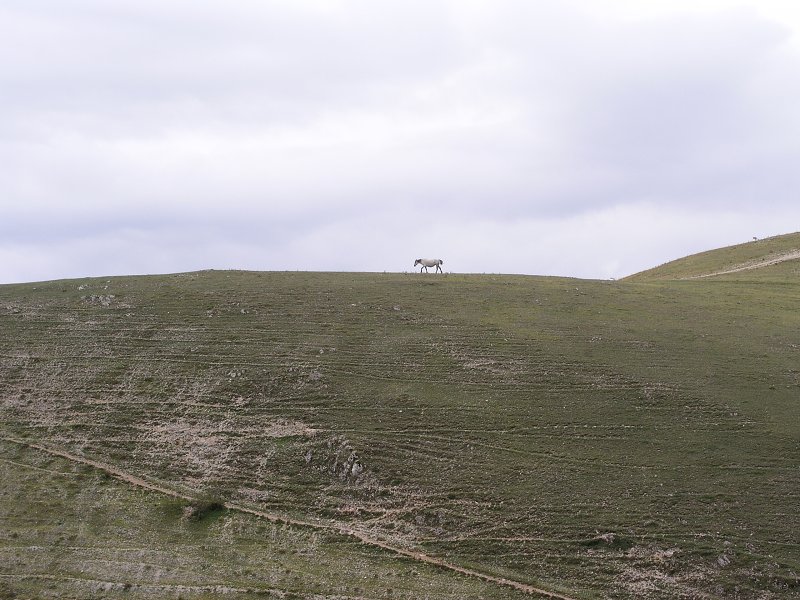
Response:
column 591, row 139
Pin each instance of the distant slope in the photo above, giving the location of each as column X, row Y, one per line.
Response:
column 742, row 258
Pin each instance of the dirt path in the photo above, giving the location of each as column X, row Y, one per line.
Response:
column 276, row 518
column 752, row 265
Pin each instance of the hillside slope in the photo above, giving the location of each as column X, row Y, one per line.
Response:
column 595, row 439
column 743, row 260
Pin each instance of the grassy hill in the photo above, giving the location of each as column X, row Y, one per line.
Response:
column 777, row 256
column 632, row 439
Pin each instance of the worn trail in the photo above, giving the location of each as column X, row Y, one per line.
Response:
column 276, row 518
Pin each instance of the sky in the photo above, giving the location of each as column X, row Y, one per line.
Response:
column 591, row 138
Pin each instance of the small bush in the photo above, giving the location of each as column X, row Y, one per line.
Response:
column 204, row 506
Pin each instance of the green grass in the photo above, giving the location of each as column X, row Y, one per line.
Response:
column 501, row 422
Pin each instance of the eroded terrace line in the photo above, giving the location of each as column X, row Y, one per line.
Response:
column 276, row 518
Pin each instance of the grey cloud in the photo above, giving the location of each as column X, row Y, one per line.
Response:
column 275, row 129
column 271, row 61
column 666, row 109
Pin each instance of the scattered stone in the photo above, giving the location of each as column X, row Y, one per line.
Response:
column 103, row 300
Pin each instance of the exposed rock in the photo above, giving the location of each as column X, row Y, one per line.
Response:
column 338, row 458
column 103, row 300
